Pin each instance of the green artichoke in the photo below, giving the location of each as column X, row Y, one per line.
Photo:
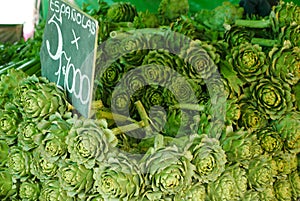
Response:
column 284, row 163
column 240, row 146
column 121, row 12
column 184, row 25
column 273, row 97
column 4, row 151
column 209, row 158
column 19, row 163
column 260, row 173
column 111, row 75
column 119, row 178
column 153, row 95
column 52, row 191
column 294, row 180
column 29, row 190
column 231, row 185
column 156, row 74
column 238, row 35
column 7, row 186
column 89, row 143
column 195, row 192
column 9, row 120
column 285, row 63
column 286, row 13
column 29, row 135
column 38, row 98
column 269, row 139
column 167, row 170
column 41, row 167
column 145, row 19
column 169, row 10
column 249, row 61
column 251, row 118
column 75, row 178
column 283, row 190
column 290, row 32
column 251, row 195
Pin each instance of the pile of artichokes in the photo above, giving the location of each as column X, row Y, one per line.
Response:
column 186, row 106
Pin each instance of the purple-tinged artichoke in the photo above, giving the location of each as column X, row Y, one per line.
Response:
column 121, row 12
column 52, row 191
column 88, row 142
column 231, row 185
column 289, row 128
column 249, row 61
column 259, row 173
column 209, row 158
column 269, row 140
column 119, row 178
column 285, row 63
column 29, row 190
column 167, row 171
column 75, row 178
column 283, row 189
column 19, row 162
column 273, row 97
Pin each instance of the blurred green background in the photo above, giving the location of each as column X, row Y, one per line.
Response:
column 152, row 5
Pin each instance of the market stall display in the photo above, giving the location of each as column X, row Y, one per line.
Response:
column 187, row 106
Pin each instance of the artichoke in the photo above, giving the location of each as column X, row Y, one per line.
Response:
column 260, row 173
column 169, row 10
column 273, row 97
column 251, row 195
column 249, row 61
column 9, row 120
column 7, row 187
column 51, row 191
column 121, row 12
column 201, row 63
column 4, row 151
column 89, row 143
column 209, row 159
column 184, row 25
column 294, row 180
column 240, row 146
column 269, row 139
column 251, row 118
column 286, row 13
column 286, row 63
column 29, row 190
column 119, row 178
column 195, row 192
column 38, row 98
column 145, row 19
column 167, row 171
column 111, row 75
column 283, row 190
column 41, row 167
column 29, row 135
column 238, row 35
column 75, row 178
column 231, row 185
column 291, row 33
column 19, row 163
column 55, row 130
column 284, row 163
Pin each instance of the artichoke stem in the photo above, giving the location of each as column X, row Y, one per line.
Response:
column 195, row 107
column 113, row 116
column 264, row 42
column 130, row 127
column 254, row 23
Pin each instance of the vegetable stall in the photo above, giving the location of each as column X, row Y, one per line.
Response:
column 200, row 105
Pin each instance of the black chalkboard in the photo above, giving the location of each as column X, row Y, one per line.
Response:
column 68, row 53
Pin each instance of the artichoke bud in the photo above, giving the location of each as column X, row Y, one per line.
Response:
column 111, row 75
column 121, row 12
column 238, row 35
column 184, row 25
column 196, row 192
column 29, row 135
column 51, row 191
column 294, row 180
column 29, row 190
column 269, row 139
column 169, row 10
column 284, row 163
column 4, row 151
column 146, row 20
column 283, row 189
column 292, row 33
column 286, row 63
column 286, row 13
column 209, row 159
column 7, row 187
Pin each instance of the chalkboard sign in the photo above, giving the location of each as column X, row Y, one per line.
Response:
column 68, row 53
